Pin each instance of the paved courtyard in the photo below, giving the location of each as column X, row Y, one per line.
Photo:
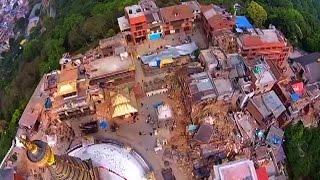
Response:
column 128, row 133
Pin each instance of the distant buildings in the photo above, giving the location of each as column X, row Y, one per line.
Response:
column 80, row 84
column 307, row 67
column 10, row 12
column 261, row 75
column 215, row 19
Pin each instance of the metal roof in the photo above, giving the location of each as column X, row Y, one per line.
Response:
column 171, row 52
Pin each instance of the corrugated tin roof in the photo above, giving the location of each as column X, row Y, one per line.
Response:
column 171, row 52
column 273, row 103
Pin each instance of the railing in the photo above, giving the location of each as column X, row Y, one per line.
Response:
column 7, row 155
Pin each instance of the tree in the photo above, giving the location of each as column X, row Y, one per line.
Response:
column 20, row 25
column 164, row 3
column 295, row 27
column 54, row 49
column 76, row 39
column 280, row 3
column 31, row 49
column 312, row 43
column 3, row 125
column 94, row 27
column 257, row 13
column 302, row 150
column 111, row 32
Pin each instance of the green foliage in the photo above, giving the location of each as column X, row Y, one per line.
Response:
column 94, row 27
column 303, row 150
column 7, row 136
column 31, row 49
column 281, row 3
column 76, row 38
column 164, row 3
column 111, row 32
column 54, row 50
column 295, row 27
column 257, row 13
column 313, row 42
column 20, row 25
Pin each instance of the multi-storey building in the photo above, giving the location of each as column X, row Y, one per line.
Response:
column 120, row 69
column 218, row 25
column 177, row 19
column 261, row 76
column 267, row 43
column 216, row 19
column 134, row 23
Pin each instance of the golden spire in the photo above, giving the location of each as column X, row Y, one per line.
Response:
column 38, row 152
column 28, row 145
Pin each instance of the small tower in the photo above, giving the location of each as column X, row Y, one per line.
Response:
column 61, row 167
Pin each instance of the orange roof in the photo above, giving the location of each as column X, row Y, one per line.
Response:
column 263, row 38
column 255, row 41
column 176, row 13
column 137, row 19
column 219, row 21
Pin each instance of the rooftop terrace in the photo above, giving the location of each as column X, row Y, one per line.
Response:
column 110, row 65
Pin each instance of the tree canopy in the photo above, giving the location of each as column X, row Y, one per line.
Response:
column 303, row 152
column 257, row 13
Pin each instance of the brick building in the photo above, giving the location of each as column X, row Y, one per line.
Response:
column 177, row 19
column 137, row 22
column 218, row 25
column 261, row 76
column 267, row 43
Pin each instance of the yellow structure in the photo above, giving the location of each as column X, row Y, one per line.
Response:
column 165, row 62
column 67, row 88
column 123, row 103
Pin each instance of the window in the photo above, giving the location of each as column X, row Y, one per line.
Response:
column 139, row 27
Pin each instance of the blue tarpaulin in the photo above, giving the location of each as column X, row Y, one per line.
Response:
column 48, row 103
column 103, row 124
column 158, row 104
column 294, row 97
column 155, row 36
column 243, row 23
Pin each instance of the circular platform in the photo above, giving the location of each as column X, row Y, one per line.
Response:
column 115, row 161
